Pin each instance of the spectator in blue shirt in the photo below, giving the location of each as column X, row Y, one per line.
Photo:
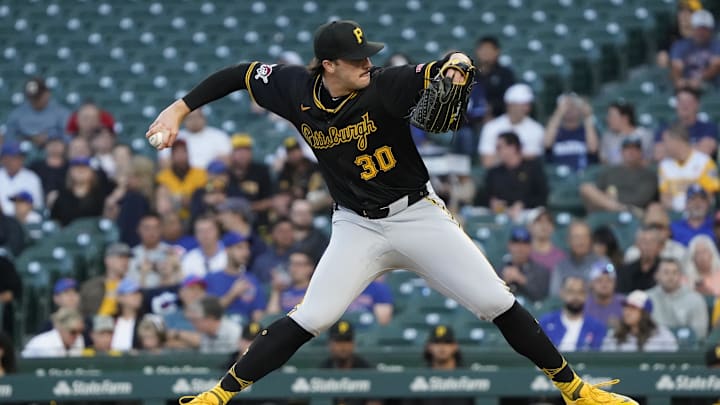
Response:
column 698, row 217
column 603, row 303
column 376, row 298
column 703, row 135
column 696, row 60
column 570, row 136
column 192, row 289
column 39, row 117
column 239, row 292
column 289, row 289
column 235, row 215
column 569, row 328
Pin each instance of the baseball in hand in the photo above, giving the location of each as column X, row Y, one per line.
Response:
column 158, row 138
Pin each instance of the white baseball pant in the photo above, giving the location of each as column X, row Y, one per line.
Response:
column 423, row 238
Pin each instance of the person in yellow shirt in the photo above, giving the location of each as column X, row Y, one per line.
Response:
column 98, row 294
column 181, row 179
column 683, row 167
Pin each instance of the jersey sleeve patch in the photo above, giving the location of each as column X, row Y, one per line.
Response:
column 263, row 72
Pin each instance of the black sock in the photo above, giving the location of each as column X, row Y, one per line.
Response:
column 271, row 349
column 526, row 337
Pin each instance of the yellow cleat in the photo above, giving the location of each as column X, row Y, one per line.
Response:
column 216, row 396
column 586, row 394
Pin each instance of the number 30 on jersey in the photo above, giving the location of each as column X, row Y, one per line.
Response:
column 381, row 159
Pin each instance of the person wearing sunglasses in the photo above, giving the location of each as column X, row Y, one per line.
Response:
column 65, row 339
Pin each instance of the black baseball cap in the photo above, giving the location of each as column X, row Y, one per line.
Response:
column 442, row 334
column 343, row 40
column 342, row 331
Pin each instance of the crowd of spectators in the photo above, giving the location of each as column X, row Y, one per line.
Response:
column 214, row 238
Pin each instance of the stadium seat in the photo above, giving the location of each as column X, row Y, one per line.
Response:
column 106, row 229
column 361, row 320
column 427, row 300
column 39, row 268
column 84, row 241
column 562, row 221
column 540, row 308
column 624, row 224
column 52, row 260
column 489, row 337
column 686, row 338
column 464, row 319
column 398, row 335
column 396, row 278
column 319, row 340
column 403, row 285
column 566, row 197
column 493, row 239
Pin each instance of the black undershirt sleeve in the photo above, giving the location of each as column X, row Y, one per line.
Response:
column 217, row 85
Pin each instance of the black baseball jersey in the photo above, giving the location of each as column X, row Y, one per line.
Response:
column 362, row 141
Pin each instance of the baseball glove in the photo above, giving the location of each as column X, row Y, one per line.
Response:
column 443, row 103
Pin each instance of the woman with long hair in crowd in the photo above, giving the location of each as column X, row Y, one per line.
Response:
column 128, row 315
column 703, row 271
column 130, row 200
column 637, row 332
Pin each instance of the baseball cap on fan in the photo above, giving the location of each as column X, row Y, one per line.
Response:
column 519, row 93
column 343, row 40
column 695, row 190
column 639, row 299
column 692, row 5
column 442, row 334
column 702, row 18
column 23, row 196
column 342, row 331
column 601, row 267
column 520, row 235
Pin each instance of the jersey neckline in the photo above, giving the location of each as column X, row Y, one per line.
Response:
column 316, row 97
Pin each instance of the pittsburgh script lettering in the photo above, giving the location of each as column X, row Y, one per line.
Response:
column 335, row 136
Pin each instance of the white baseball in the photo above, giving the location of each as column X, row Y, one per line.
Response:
column 157, row 138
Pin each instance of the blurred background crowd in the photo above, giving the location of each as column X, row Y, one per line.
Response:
column 602, row 221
